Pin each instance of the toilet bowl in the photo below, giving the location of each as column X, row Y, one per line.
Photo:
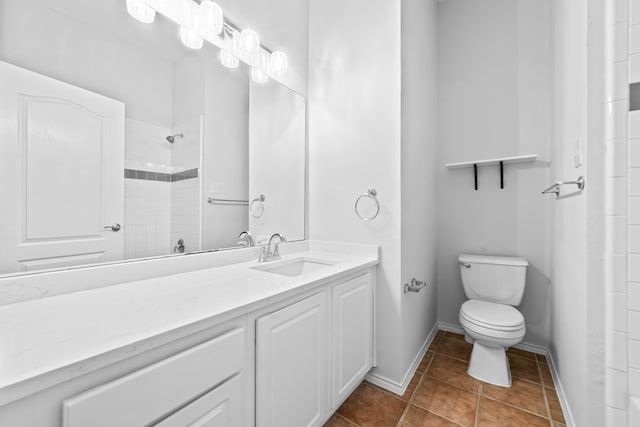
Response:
column 494, row 285
column 493, row 328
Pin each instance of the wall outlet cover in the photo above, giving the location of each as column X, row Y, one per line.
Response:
column 577, row 153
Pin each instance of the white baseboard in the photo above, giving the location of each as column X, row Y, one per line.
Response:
column 400, row 388
column 564, row 403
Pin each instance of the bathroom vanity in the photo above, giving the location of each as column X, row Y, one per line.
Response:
column 247, row 343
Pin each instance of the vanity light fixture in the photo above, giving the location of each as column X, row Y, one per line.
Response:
column 190, row 37
column 278, row 63
column 228, row 60
column 206, row 20
column 190, row 33
column 249, row 44
column 259, row 76
column 211, row 18
column 140, row 11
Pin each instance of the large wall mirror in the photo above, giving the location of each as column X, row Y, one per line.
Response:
column 117, row 142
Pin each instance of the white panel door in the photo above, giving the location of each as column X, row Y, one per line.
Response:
column 291, row 365
column 352, row 311
column 61, row 172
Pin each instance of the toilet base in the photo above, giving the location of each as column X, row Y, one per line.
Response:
column 490, row 364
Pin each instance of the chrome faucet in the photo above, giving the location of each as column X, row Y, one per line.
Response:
column 246, row 240
column 271, row 255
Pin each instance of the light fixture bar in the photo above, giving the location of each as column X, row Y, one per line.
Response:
column 235, row 30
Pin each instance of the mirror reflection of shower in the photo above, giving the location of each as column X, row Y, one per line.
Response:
column 172, row 138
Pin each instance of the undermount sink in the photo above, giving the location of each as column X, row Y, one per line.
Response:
column 294, row 267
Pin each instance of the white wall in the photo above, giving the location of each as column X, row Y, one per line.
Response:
column 569, row 228
column 418, row 228
column 354, row 143
column 494, row 99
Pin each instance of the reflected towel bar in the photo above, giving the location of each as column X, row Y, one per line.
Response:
column 226, row 201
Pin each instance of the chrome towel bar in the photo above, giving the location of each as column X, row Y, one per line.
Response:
column 555, row 187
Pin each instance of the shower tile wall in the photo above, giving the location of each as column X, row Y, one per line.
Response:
column 147, row 218
column 617, row 173
column 185, row 213
column 147, row 205
column 185, row 194
column 633, row 344
column 623, row 213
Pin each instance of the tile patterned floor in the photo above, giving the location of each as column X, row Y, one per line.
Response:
column 441, row 393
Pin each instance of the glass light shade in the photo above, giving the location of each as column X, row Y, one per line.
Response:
column 211, row 18
column 249, row 44
column 141, row 11
column 278, row 63
column 228, row 60
column 190, row 38
column 259, row 76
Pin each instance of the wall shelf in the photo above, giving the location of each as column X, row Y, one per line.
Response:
column 501, row 161
column 492, row 162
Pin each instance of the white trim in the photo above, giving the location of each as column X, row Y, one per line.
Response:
column 400, row 388
column 562, row 397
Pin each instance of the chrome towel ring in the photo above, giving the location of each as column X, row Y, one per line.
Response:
column 260, row 200
column 370, row 194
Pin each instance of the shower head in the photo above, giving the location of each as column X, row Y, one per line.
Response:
column 172, row 138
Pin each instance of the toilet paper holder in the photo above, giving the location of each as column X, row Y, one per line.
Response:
column 414, row 286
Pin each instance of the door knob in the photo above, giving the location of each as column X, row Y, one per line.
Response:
column 115, row 227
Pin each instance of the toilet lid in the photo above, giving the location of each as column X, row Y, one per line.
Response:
column 492, row 315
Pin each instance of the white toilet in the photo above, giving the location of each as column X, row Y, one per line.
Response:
column 494, row 285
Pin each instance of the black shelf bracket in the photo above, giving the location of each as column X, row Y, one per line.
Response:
column 501, row 174
column 475, row 175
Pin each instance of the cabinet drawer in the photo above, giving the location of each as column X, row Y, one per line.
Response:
column 221, row 407
column 146, row 395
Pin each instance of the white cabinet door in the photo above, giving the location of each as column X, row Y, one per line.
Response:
column 221, row 407
column 291, row 365
column 352, row 335
column 61, row 173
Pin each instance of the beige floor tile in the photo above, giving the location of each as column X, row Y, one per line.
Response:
column 521, row 394
column 545, row 373
column 554, row 406
column 424, row 363
column 453, row 371
column 496, row 414
column 524, row 368
column 455, row 347
column 337, row 421
column 521, row 353
column 370, row 406
column 446, row 401
column 418, row 417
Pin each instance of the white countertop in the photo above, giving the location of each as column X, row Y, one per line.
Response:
column 57, row 334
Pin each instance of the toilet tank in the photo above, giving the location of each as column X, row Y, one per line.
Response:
column 496, row 279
